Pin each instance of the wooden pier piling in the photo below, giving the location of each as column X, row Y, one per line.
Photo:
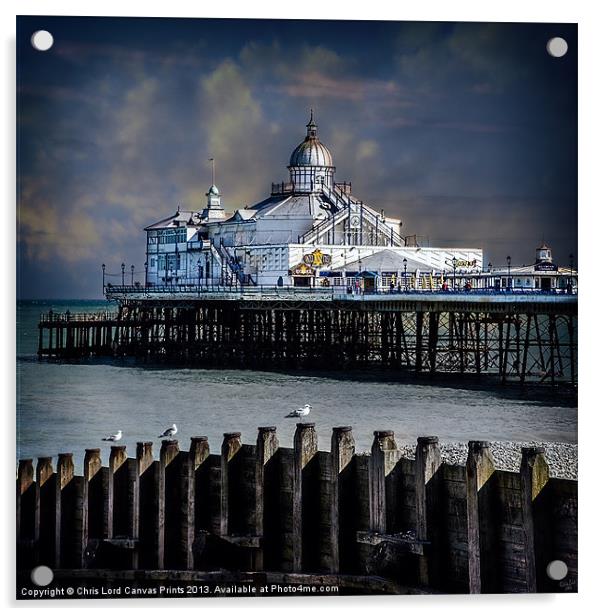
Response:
column 531, row 340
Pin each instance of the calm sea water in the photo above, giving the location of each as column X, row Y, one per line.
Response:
column 70, row 407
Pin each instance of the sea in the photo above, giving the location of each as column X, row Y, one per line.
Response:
column 68, row 407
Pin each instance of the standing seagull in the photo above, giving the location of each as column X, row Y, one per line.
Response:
column 114, row 437
column 302, row 412
column 169, row 432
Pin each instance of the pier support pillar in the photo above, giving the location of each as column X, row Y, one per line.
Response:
column 305, row 448
column 429, row 507
column 480, row 468
column 342, row 448
column 384, row 457
column 534, row 475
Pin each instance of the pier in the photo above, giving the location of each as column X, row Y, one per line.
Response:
column 514, row 336
column 377, row 522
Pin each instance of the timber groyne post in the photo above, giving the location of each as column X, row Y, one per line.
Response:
column 428, row 508
column 480, row 468
column 305, row 448
column 342, row 450
column 383, row 459
column 266, row 494
column 534, row 475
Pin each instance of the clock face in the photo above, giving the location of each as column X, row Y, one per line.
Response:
column 355, row 221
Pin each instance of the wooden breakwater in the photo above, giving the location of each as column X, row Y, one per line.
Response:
column 525, row 339
column 414, row 523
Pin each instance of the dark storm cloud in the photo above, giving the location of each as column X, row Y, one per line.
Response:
column 465, row 131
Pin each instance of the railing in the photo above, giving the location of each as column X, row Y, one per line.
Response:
column 343, row 202
column 216, row 288
column 74, row 317
column 235, row 269
column 344, row 187
column 325, row 290
column 282, row 188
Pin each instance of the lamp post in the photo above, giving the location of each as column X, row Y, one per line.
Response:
column 508, row 282
column 405, row 274
column 123, row 274
column 570, row 285
column 132, row 270
column 454, row 262
column 103, row 276
column 199, row 269
column 177, row 262
column 145, row 274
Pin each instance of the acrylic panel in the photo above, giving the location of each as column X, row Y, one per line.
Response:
column 296, row 307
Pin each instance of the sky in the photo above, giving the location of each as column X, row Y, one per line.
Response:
column 466, row 131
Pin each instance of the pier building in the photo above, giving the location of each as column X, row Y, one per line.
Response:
column 310, row 231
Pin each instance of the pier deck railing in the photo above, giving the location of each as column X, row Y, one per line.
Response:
column 77, row 317
column 406, row 520
column 114, row 291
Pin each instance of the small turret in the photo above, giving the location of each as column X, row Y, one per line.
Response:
column 213, row 197
column 543, row 259
column 213, row 209
column 543, row 254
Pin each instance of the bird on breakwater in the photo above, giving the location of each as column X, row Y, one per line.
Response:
column 302, row 412
column 169, row 432
column 114, row 437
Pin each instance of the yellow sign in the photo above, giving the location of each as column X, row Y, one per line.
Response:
column 302, row 270
column 317, row 258
column 463, row 263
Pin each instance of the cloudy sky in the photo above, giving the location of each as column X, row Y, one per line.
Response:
column 468, row 132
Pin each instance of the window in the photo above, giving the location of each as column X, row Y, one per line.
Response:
column 172, row 261
column 153, row 262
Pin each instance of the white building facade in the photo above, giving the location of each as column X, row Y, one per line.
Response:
column 310, row 231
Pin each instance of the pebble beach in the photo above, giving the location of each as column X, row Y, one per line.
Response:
column 561, row 457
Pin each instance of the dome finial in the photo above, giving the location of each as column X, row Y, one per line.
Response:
column 312, row 127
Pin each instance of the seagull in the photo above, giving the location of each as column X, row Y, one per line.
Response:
column 169, row 432
column 302, row 412
column 114, row 437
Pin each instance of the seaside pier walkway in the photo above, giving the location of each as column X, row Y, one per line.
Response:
column 519, row 336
